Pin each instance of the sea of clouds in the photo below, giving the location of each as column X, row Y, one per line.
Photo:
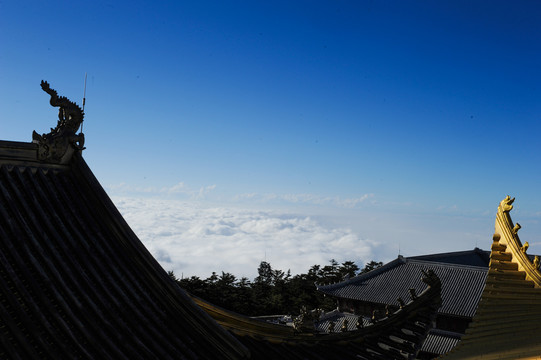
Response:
column 195, row 238
column 188, row 233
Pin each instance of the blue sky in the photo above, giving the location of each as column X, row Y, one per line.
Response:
column 399, row 123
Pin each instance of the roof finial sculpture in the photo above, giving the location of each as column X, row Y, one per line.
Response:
column 516, row 228
column 412, row 294
column 506, row 204
column 332, row 324
column 344, row 325
column 59, row 145
column 374, row 318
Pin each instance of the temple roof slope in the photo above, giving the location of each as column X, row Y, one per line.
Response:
column 506, row 325
column 440, row 341
column 462, row 285
column 77, row 282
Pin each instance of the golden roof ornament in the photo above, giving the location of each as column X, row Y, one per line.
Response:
column 516, row 228
column 506, row 204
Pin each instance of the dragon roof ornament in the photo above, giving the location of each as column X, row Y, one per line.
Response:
column 59, row 145
column 506, row 233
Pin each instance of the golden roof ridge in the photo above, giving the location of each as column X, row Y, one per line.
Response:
column 506, row 234
column 507, row 317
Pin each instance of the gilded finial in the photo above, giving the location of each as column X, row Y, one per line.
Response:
column 525, row 247
column 506, row 204
column 400, row 302
column 516, row 228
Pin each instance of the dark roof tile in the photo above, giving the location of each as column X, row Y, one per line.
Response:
column 440, row 342
column 461, row 285
column 75, row 280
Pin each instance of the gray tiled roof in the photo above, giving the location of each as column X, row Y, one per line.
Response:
column 462, row 285
column 475, row 257
column 323, row 325
column 440, row 342
column 437, row 341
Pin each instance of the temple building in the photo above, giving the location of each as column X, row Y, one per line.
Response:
column 463, row 275
column 76, row 282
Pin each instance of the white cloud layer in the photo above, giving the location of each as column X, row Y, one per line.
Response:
column 307, row 199
column 178, row 189
column 182, row 191
column 192, row 239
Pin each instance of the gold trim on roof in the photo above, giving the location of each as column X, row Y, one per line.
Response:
column 507, row 234
column 506, row 324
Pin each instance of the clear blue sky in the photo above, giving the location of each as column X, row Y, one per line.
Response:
column 429, row 111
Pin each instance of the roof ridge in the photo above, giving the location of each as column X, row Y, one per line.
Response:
column 444, row 264
column 474, row 250
column 367, row 275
